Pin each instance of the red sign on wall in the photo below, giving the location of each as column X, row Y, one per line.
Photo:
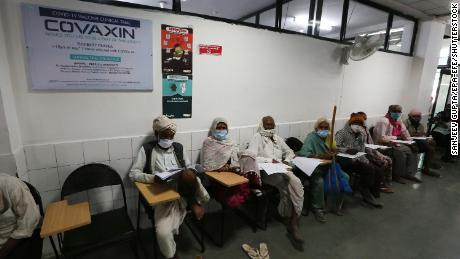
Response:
column 215, row 50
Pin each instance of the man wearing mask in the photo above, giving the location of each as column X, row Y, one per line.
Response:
column 416, row 129
column 390, row 128
column 271, row 148
column 350, row 140
column 162, row 155
column 19, row 218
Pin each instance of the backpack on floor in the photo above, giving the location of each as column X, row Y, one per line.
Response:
column 335, row 180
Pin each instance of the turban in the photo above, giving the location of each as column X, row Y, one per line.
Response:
column 163, row 123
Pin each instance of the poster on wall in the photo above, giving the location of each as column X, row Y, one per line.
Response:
column 177, row 96
column 176, row 66
column 73, row 50
column 176, row 50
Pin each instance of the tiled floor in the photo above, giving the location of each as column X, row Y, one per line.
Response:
column 418, row 221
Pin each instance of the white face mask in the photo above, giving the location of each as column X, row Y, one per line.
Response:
column 165, row 143
column 355, row 128
column 268, row 133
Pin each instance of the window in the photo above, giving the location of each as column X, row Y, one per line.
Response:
column 444, row 53
column 401, row 34
column 364, row 19
column 234, row 9
column 166, row 4
column 295, row 16
column 268, row 18
column 331, row 19
column 251, row 19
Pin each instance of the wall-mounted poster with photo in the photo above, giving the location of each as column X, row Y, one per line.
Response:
column 75, row 50
column 176, row 50
column 177, row 96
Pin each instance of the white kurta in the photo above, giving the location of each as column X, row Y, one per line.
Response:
column 168, row 216
column 19, row 214
column 290, row 187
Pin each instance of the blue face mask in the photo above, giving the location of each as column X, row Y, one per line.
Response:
column 220, row 134
column 395, row 115
column 322, row 133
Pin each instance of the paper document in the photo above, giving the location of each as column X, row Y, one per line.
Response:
column 351, row 156
column 307, row 165
column 422, row 138
column 165, row 175
column 373, row 146
column 273, row 168
column 403, row 141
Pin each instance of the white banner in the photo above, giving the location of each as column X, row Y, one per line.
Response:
column 73, row 50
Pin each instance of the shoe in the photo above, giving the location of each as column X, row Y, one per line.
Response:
column 319, row 216
column 373, row 203
column 295, row 235
column 431, row 173
column 336, row 212
column 263, row 251
column 412, row 178
column 250, row 251
column 386, row 190
column 399, row 180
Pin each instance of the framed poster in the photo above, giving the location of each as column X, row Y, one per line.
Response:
column 73, row 50
column 177, row 96
column 176, row 50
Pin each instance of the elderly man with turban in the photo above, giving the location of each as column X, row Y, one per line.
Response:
column 161, row 155
column 351, row 140
column 416, row 129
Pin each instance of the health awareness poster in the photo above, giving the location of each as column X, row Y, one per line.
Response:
column 74, row 50
column 176, row 64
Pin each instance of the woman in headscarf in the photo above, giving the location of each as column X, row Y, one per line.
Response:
column 316, row 145
column 220, row 154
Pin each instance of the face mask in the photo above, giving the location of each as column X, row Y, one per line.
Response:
column 322, row 133
column 220, row 134
column 395, row 115
column 355, row 128
column 165, row 143
column 414, row 121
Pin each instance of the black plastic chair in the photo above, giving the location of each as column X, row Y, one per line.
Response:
column 106, row 228
column 38, row 201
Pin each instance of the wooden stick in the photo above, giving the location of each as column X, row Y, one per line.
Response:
column 331, row 140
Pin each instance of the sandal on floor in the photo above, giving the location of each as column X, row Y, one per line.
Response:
column 263, row 251
column 250, row 251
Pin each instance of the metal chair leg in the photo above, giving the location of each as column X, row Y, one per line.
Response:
column 222, row 222
column 54, row 247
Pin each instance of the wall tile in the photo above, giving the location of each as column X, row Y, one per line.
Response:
column 49, row 197
column 185, row 138
column 195, row 156
column 21, row 166
column 69, row 153
column 122, row 166
column 283, row 130
column 45, row 179
column 246, row 135
column 96, row 151
column 136, row 144
column 8, row 164
column 295, row 130
column 198, row 138
column 40, row 156
column 65, row 171
column 120, row 148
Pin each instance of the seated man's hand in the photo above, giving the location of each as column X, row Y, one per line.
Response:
column 352, row 151
column 275, row 161
column 224, row 168
column 198, row 210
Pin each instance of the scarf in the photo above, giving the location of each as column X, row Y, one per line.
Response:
column 397, row 129
column 216, row 153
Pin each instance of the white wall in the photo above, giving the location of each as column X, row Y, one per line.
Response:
column 294, row 78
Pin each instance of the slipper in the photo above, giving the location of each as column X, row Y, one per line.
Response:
column 251, row 252
column 263, row 251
